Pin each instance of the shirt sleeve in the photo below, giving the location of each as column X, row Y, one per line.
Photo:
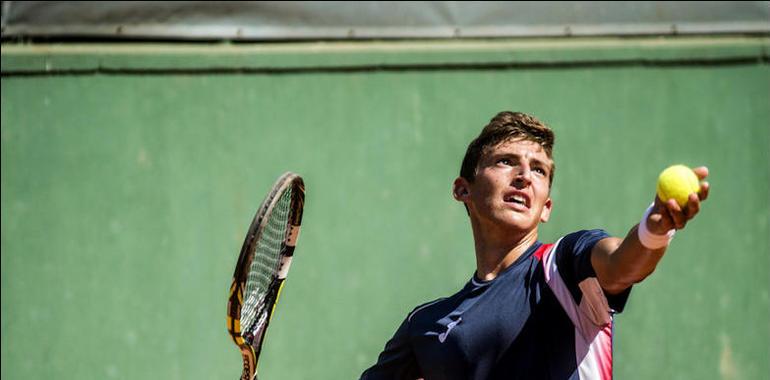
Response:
column 397, row 360
column 573, row 256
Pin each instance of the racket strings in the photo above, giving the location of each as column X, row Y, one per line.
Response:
column 264, row 266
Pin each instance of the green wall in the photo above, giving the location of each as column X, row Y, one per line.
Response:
column 130, row 174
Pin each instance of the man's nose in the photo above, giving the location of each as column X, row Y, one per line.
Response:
column 523, row 177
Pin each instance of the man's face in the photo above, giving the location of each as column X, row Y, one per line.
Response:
column 511, row 187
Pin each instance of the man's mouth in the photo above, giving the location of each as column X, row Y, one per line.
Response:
column 517, row 199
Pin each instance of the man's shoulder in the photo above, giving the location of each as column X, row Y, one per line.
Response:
column 426, row 308
column 580, row 239
column 429, row 310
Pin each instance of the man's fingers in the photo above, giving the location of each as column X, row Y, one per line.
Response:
column 676, row 214
column 704, row 191
column 702, row 172
column 660, row 218
column 693, row 206
column 656, row 217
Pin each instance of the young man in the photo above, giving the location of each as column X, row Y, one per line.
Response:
column 531, row 310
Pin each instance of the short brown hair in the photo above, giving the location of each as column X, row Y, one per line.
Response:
column 506, row 126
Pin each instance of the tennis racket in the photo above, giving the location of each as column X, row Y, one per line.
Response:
column 262, row 268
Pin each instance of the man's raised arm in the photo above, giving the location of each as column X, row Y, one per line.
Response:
column 620, row 263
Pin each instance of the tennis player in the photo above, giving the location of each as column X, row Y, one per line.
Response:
column 531, row 310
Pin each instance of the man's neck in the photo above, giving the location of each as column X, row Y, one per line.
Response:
column 496, row 253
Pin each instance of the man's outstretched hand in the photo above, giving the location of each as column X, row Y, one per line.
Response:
column 669, row 215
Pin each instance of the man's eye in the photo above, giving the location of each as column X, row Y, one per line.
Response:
column 504, row 161
column 539, row 170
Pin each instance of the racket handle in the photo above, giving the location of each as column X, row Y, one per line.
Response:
column 245, row 375
column 249, row 364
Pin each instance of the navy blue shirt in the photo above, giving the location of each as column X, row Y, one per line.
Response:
column 543, row 317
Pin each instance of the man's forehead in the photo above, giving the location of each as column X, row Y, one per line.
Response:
column 519, row 147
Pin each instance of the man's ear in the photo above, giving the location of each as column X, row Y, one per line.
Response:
column 546, row 213
column 461, row 189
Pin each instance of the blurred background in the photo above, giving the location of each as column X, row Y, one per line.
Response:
column 139, row 138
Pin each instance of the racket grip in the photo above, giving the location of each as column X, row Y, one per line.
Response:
column 249, row 364
column 245, row 375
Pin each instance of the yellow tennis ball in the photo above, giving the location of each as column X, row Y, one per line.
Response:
column 677, row 182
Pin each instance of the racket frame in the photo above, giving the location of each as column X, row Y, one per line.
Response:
column 251, row 346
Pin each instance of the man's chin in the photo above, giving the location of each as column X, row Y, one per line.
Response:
column 519, row 223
